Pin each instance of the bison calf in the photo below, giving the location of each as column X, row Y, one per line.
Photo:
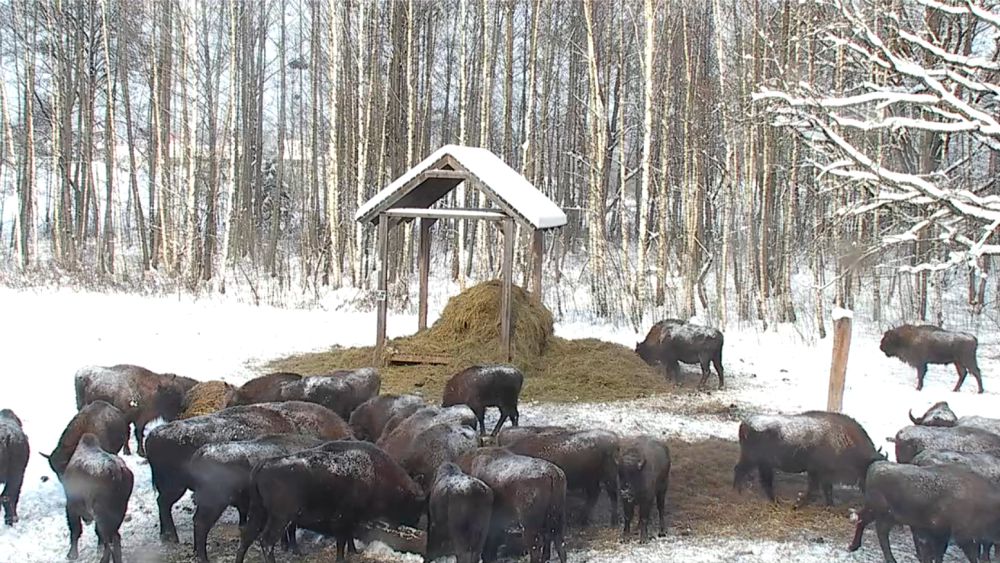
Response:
column 920, row 345
column 671, row 341
column 14, row 451
column 830, row 447
column 483, row 386
column 458, row 516
column 100, row 418
column 644, row 474
column 98, row 486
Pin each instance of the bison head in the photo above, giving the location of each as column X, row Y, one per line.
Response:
column 645, row 351
column 7, row 414
column 891, row 343
column 630, row 482
column 169, row 400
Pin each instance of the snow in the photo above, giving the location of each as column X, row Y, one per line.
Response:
column 505, row 182
column 841, row 313
column 53, row 333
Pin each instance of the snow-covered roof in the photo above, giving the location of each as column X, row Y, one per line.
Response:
column 501, row 183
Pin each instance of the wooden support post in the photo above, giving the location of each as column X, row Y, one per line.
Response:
column 508, row 262
column 424, row 267
column 838, row 366
column 536, row 263
column 380, row 296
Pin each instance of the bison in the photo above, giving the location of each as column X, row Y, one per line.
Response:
column 368, row 420
column 644, row 475
column 587, row 457
column 483, row 386
column 172, row 445
column 940, row 414
column 830, row 447
column 330, row 489
column 263, row 389
column 911, row 440
column 936, row 502
column 341, row 391
column 528, row 493
column 98, row 486
column 423, row 451
column 458, row 519
column 220, row 474
column 395, row 438
column 14, row 452
column 920, row 345
column 99, row 418
column 140, row 394
column 671, row 341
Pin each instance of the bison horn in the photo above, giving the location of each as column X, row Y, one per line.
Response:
column 913, row 420
column 46, row 456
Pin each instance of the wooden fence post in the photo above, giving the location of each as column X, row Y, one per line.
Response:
column 838, row 365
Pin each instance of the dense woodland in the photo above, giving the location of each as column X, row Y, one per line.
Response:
column 705, row 152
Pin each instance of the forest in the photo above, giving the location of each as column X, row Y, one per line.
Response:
column 747, row 160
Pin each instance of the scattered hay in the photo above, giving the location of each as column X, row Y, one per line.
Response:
column 206, row 397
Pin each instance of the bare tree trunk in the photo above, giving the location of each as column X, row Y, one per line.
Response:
column 108, row 246
column 277, row 193
column 595, row 200
column 333, row 167
column 457, row 272
column 190, row 117
column 364, row 120
column 231, row 131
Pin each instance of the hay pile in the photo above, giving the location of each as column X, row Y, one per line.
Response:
column 468, row 332
column 206, row 397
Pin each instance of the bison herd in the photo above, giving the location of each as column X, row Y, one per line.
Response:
column 329, row 453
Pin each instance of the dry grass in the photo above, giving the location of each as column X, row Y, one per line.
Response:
column 468, row 331
column 206, row 397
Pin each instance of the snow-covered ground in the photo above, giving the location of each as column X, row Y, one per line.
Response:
column 48, row 335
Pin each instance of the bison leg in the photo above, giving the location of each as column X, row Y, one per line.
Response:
column 611, row 487
column 496, row 429
column 970, row 549
column 921, row 372
column 864, row 517
column 811, row 492
column 673, row 372
column 431, row 547
column 593, row 491
column 717, row 362
column 882, row 528
column 116, row 548
column 481, row 418
column 125, row 449
column 205, row 516
column 984, row 554
column 273, row 532
column 289, row 541
column 140, row 431
column 11, row 496
column 741, row 475
column 766, row 477
column 168, row 496
column 249, row 533
column 628, row 507
column 974, row 370
column 75, row 531
column 661, row 502
column 705, row 372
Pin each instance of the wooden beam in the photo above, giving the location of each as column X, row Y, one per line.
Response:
column 838, row 365
column 536, row 263
column 445, row 174
column 424, row 267
column 419, row 359
column 508, row 262
column 383, row 270
column 420, row 213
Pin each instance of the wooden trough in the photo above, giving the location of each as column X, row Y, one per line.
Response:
column 413, row 359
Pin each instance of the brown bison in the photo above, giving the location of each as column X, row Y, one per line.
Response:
column 341, row 391
column 920, row 345
column 911, row 440
column 940, row 414
column 369, row 419
column 830, row 447
column 14, row 452
column 937, row 502
column 483, row 386
column 399, row 438
column 330, row 489
column 98, row 486
column 458, row 518
column 423, row 451
column 672, row 341
column 99, row 418
column 172, row 445
column 587, row 457
column 528, row 493
column 644, row 476
column 263, row 389
column 140, row 394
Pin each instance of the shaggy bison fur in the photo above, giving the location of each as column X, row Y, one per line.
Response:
column 369, row 419
column 330, row 490
column 644, row 475
column 483, row 386
column 920, row 345
column 911, row 440
column 431, row 446
column 341, row 391
column 172, row 445
column 672, row 341
column 140, row 394
column 14, row 452
column 940, row 414
column 830, row 447
column 263, row 389
column 98, row 486
column 458, row 515
column 99, row 418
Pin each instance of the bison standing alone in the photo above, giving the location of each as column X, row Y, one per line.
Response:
column 920, row 345
column 830, row 447
column 644, row 475
column 14, row 451
column 671, row 341
column 483, row 386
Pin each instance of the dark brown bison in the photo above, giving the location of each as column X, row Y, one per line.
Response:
column 587, row 457
column 14, row 452
column 937, row 502
column 330, row 489
column 423, row 451
column 99, row 418
column 140, row 394
column 920, row 345
column 172, row 445
column 940, row 414
column 644, row 475
column 98, row 486
column 341, row 391
column 830, row 447
column 911, row 440
column 672, row 341
column 528, row 493
column 368, row 420
column 263, row 389
column 458, row 515
column 483, row 386
column 395, row 438
column 220, row 473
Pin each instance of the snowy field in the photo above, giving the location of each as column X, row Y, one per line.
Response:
column 48, row 335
